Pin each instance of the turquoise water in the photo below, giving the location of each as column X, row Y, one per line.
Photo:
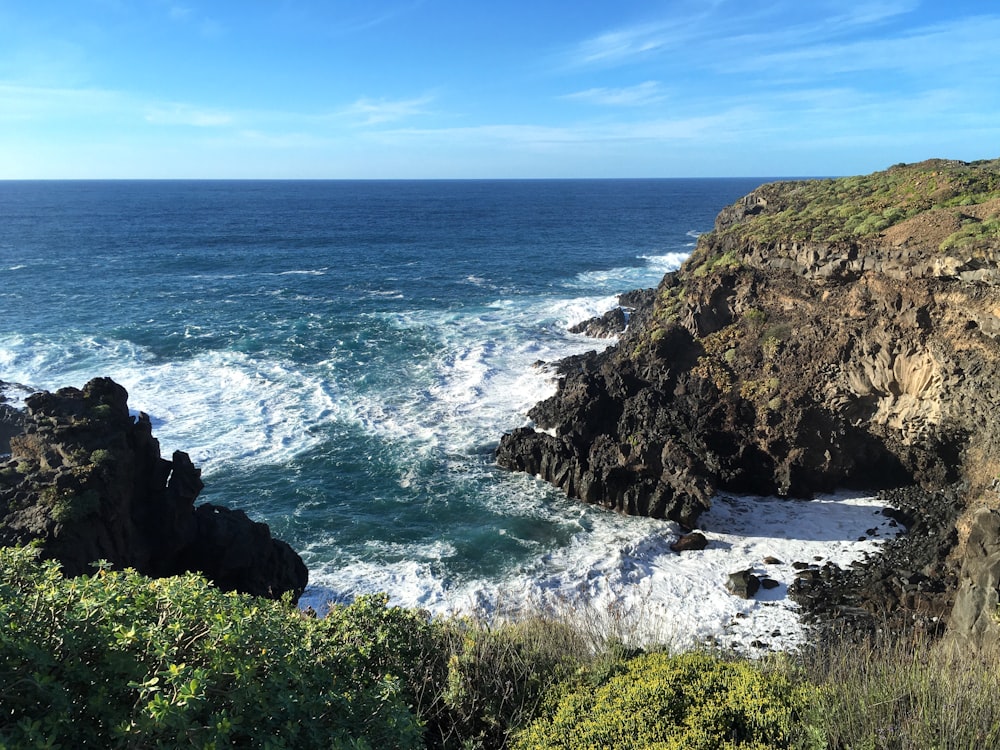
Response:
column 341, row 358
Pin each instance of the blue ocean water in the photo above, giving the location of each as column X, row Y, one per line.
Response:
column 341, row 358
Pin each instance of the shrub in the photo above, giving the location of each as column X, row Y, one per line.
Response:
column 695, row 701
column 119, row 660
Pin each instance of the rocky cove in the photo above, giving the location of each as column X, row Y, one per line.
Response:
column 826, row 334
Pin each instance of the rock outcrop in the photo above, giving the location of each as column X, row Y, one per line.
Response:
column 86, row 481
column 827, row 334
column 974, row 618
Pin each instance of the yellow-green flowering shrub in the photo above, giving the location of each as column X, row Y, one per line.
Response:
column 690, row 702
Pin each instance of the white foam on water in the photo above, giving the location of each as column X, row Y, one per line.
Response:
column 618, row 576
column 627, row 574
column 219, row 407
column 633, row 277
column 666, row 262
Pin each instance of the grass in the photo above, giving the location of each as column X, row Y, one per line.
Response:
column 890, row 692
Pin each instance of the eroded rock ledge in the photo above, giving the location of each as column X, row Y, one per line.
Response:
column 86, row 481
column 826, row 334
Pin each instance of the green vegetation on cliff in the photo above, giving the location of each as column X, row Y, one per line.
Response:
column 850, row 208
column 853, row 208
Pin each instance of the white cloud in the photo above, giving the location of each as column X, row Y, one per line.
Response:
column 377, row 111
column 930, row 49
column 20, row 102
column 639, row 95
column 183, row 114
column 615, row 47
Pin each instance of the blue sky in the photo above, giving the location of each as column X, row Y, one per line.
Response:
column 463, row 88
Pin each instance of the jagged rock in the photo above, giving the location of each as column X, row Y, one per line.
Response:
column 86, row 481
column 11, row 420
column 743, row 583
column 604, row 326
column 690, row 542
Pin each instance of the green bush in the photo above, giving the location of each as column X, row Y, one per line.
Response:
column 119, row 660
column 692, row 702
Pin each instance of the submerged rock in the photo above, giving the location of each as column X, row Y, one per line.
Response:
column 86, row 481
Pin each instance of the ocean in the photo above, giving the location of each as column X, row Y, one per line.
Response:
column 340, row 358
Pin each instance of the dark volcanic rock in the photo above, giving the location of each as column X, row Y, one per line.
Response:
column 605, row 326
column 827, row 334
column 974, row 616
column 908, row 585
column 86, row 480
column 690, row 542
column 11, row 420
column 743, row 584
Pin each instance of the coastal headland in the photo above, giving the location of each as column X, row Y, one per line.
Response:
column 826, row 334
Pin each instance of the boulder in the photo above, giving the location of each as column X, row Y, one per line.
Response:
column 690, row 542
column 743, row 583
column 85, row 480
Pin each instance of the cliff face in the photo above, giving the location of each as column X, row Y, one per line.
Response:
column 86, row 481
column 826, row 334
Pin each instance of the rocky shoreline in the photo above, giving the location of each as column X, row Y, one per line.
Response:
column 826, row 334
column 86, row 482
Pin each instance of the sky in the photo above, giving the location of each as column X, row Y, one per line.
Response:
column 401, row 89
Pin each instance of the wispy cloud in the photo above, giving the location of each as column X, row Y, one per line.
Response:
column 386, row 16
column 725, row 26
column 21, row 102
column 708, row 127
column 377, row 111
column 206, row 26
column 869, row 13
column 179, row 12
column 639, row 95
column 934, row 50
column 619, row 45
column 184, row 114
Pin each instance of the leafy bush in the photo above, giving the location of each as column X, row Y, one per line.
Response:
column 974, row 235
column 119, row 660
column 694, row 701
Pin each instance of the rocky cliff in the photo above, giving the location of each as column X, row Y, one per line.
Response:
column 826, row 334
column 85, row 480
